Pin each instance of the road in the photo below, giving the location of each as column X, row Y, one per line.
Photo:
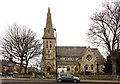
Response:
column 50, row 82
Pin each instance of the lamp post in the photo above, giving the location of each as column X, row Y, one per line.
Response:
column 56, row 52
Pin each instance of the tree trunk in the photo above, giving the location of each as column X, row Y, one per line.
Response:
column 114, row 66
column 20, row 69
column 26, row 68
column 97, row 68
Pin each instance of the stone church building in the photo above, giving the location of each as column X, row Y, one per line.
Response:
column 74, row 58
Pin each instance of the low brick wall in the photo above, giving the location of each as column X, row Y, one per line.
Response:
column 82, row 77
column 99, row 77
column 22, row 76
column 51, row 77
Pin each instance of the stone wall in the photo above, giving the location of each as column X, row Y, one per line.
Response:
column 92, row 77
column 99, row 77
column 22, row 76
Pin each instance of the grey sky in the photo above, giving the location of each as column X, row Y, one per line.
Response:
column 69, row 17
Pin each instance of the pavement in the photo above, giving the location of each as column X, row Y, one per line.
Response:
column 27, row 79
column 36, row 79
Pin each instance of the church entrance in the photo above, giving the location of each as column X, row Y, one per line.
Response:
column 48, row 69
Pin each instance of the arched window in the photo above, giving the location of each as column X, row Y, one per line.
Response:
column 92, row 67
column 59, row 67
column 86, row 67
column 66, row 58
column 50, row 44
column 46, row 44
column 76, row 68
column 68, row 68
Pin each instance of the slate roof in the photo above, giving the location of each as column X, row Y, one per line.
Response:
column 98, row 56
column 70, row 51
column 76, row 51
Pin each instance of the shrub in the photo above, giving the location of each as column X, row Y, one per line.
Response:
column 52, row 72
column 86, row 73
column 37, row 76
column 30, row 72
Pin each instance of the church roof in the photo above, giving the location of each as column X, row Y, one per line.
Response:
column 70, row 51
column 98, row 56
column 77, row 51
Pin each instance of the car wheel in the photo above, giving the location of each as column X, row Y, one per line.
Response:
column 59, row 80
column 75, row 81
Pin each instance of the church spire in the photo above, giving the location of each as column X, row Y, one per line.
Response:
column 48, row 30
column 49, row 20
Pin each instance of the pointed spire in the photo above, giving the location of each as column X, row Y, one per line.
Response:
column 48, row 30
column 49, row 11
column 49, row 20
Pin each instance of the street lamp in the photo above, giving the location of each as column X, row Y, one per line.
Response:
column 56, row 52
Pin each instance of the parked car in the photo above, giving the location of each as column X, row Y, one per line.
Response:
column 10, row 74
column 67, row 77
column 0, row 74
column 15, row 72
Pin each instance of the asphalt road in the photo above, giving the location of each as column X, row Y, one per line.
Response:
column 48, row 82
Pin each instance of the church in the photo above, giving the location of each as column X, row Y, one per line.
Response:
column 75, row 59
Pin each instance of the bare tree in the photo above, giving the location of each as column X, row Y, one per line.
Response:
column 37, row 62
column 21, row 45
column 32, row 48
column 105, row 30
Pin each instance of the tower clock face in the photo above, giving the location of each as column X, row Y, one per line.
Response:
column 89, row 57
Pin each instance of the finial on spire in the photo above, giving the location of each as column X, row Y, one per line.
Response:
column 49, row 21
column 48, row 10
column 49, row 7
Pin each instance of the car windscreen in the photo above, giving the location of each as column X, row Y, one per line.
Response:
column 69, row 75
column 63, row 74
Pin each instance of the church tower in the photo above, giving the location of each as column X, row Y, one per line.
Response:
column 49, row 54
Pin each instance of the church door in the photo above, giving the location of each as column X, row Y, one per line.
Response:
column 48, row 69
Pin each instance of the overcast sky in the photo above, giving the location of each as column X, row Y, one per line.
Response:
column 69, row 17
